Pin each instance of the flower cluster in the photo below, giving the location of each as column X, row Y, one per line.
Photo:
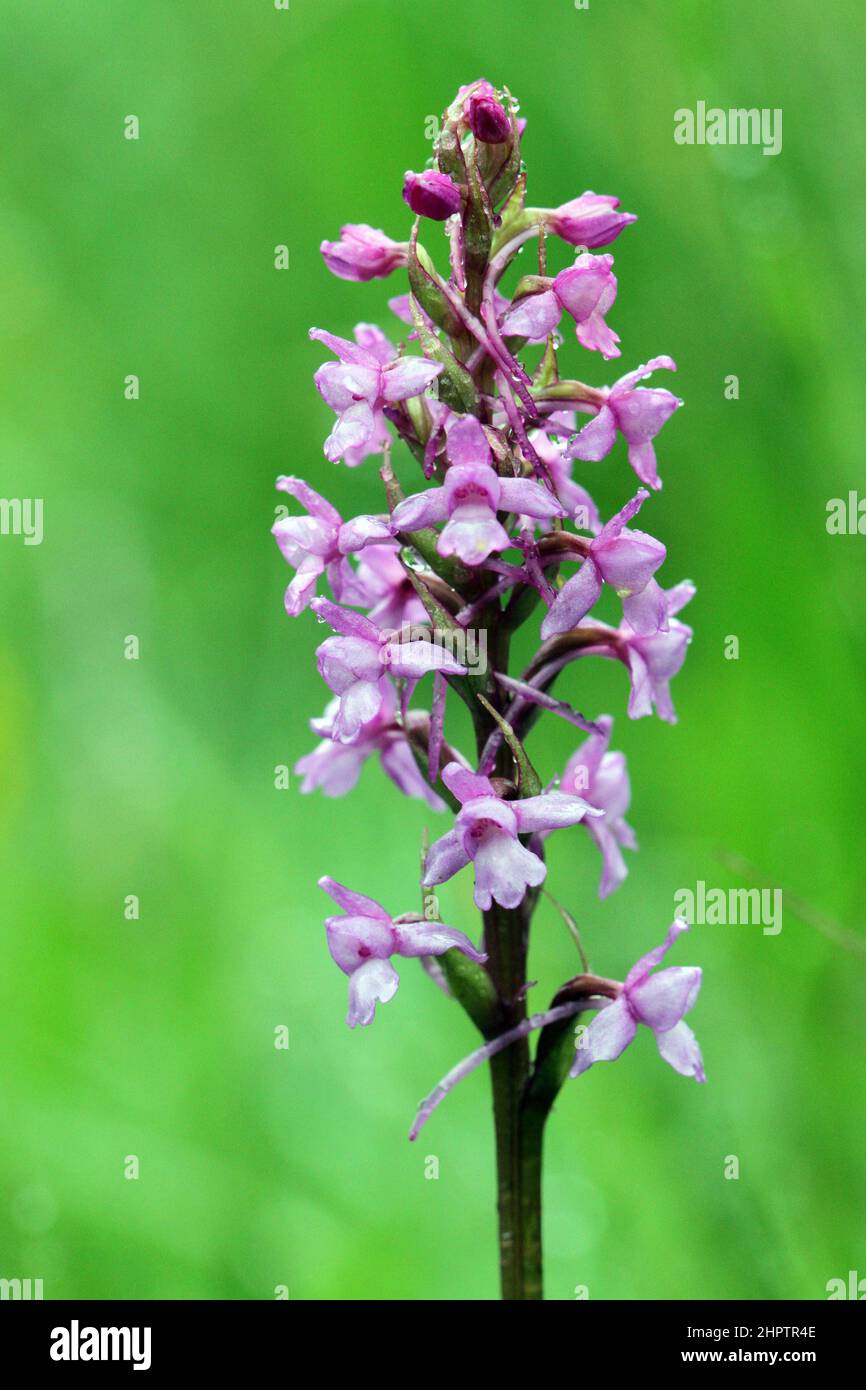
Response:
column 495, row 533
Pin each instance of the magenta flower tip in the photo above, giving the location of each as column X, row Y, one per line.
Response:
column 487, row 119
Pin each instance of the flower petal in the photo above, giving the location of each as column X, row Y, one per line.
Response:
column 421, row 509
column 533, row 316
column 445, row 857
column 467, row 443
column 613, row 866
column 628, row 562
column 341, row 347
column 354, row 940
column 528, row 498
column 309, row 499
column 333, row 768
column 679, row 1047
column 374, row 983
column 551, row 810
column 473, row 537
column 344, row 621
column 360, row 531
column 408, row 376
column 646, row 612
column 353, row 430
column 574, row 600
column 433, row 939
column 341, row 386
column 504, row 869
column 466, row 786
column 606, row 1038
column 303, row 586
column 356, row 904
column 417, row 658
column 595, row 440
column 642, row 967
column 661, row 1000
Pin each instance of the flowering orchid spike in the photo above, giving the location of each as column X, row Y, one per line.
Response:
column 659, row 1002
column 497, row 531
column 363, row 940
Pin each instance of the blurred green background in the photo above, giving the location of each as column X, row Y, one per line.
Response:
column 155, row 1037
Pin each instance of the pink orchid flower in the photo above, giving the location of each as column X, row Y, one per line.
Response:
column 388, row 591
column 471, row 497
column 363, row 941
column 354, row 665
column 319, row 543
column 602, row 778
column 585, row 291
column 624, row 559
column 368, row 376
column 363, row 253
column 659, row 1002
column 590, row 220
column 638, row 413
column 654, row 659
column 487, row 833
column 334, row 767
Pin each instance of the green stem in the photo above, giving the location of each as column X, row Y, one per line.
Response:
column 531, row 1160
column 505, row 942
column 518, row 1129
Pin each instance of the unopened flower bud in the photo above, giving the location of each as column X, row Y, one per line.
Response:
column 487, row 119
column 363, row 253
column 431, row 195
column 590, row 220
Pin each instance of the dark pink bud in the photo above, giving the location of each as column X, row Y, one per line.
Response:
column 431, row 195
column 487, row 119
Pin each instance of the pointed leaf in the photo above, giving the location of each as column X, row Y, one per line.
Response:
column 528, row 780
